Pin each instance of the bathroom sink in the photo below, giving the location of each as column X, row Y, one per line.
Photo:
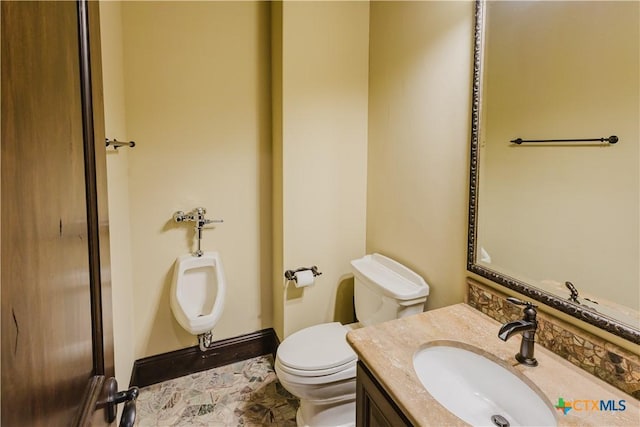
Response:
column 479, row 390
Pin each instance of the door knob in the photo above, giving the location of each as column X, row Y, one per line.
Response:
column 115, row 397
column 128, row 417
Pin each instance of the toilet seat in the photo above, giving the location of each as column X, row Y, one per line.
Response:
column 317, row 351
column 286, row 376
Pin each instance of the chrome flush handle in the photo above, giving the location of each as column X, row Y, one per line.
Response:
column 197, row 216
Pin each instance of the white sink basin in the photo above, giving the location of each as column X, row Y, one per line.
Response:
column 475, row 388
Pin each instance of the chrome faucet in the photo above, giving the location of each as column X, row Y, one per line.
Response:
column 527, row 326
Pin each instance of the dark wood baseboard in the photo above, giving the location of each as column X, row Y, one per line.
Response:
column 166, row 366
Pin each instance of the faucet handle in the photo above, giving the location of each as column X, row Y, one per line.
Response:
column 516, row 301
column 529, row 309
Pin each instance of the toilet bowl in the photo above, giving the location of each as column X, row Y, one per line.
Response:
column 198, row 291
column 317, row 365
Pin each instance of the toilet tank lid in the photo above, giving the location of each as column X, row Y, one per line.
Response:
column 395, row 280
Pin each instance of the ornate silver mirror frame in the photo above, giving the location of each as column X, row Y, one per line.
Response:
column 580, row 312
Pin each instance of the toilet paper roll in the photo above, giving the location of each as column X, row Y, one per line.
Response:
column 304, row 278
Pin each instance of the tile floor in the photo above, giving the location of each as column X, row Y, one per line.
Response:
column 246, row 393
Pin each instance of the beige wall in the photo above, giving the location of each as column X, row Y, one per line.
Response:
column 575, row 209
column 419, row 115
column 197, row 84
column 185, row 114
column 202, row 135
column 118, row 190
column 323, row 153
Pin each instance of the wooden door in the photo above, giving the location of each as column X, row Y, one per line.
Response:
column 56, row 308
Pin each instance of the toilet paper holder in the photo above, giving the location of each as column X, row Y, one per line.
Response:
column 291, row 274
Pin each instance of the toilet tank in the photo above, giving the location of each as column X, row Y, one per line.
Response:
column 384, row 290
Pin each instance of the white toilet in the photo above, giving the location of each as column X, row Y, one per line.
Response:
column 317, row 365
column 198, row 291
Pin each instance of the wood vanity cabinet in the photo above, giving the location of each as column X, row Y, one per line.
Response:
column 374, row 407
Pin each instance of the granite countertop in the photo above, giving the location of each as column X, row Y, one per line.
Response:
column 387, row 349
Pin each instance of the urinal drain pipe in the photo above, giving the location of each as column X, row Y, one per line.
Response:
column 205, row 340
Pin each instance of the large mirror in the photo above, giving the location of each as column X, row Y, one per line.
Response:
column 554, row 197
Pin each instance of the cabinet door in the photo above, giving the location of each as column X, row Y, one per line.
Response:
column 374, row 407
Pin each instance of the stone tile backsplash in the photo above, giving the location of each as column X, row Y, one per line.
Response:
column 605, row 360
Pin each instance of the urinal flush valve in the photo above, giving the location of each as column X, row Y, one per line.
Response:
column 197, row 216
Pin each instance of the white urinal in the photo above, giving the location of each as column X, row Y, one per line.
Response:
column 198, row 291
